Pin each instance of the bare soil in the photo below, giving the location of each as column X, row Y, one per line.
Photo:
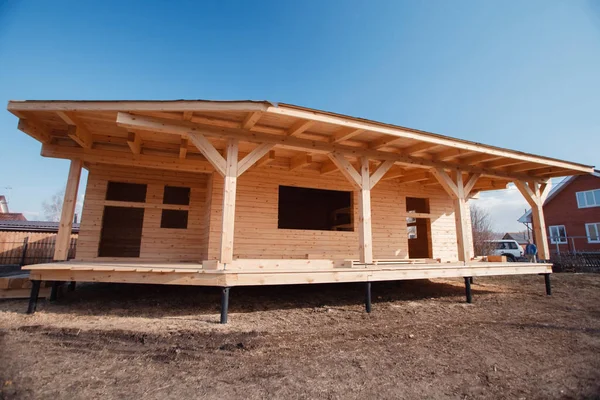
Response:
column 421, row 341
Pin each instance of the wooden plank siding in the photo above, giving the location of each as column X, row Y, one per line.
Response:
column 257, row 235
column 256, row 217
column 158, row 244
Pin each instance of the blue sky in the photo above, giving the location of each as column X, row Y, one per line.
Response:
column 517, row 74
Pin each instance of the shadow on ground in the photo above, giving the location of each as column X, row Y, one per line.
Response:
column 152, row 301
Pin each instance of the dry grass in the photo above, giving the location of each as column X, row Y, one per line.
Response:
column 421, row 341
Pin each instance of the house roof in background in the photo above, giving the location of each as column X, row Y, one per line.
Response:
column 12, row 217
column 33, row 226
column 526, row 218
column 520, row 237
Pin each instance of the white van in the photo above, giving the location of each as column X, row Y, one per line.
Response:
column 508, row 248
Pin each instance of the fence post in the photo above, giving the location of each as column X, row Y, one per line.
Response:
column 24, row 253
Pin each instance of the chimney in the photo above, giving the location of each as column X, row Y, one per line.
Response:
column 3, row 205
column 75, row 218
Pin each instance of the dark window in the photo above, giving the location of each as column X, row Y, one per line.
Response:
column 176, row 195
column 120, row 191
column 121, row 234
column 174, row 219
column 417, row 205
column 315, row 209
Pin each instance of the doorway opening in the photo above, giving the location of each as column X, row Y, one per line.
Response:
column 418, row 228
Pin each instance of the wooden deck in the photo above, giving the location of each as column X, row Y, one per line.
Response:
column 271, row 272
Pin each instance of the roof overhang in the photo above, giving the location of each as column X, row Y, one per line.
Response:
column 156, row 130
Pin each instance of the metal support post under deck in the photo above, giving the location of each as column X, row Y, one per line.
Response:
column 468, row 290
column 368, row 297
column 33, row 297
column 54, row 291
column 548, row 285
column 72, row 285
column 224, row 304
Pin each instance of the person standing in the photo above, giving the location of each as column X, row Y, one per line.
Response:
column 531, row 252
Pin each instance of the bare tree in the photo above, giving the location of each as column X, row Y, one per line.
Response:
column 53, row 207
column 481, row 223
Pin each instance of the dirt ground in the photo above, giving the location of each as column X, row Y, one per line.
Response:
column 421, row 341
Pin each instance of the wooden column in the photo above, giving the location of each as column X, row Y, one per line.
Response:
column 461, row 220
column 63, row 238
column 534, row 193
column 365, row 235
column 459, row 191
column 229, row 193
column 363, row 182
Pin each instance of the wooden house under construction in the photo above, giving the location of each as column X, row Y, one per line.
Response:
column 231, row 193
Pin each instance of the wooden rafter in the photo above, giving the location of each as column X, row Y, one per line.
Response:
column 183, row 148
column 418, row 148
column 187, row 115
column 251, row 119
column 266, row 159
column 345, row 134
column 300, row 161
column 134, row 141
column 76, row 131
column 314, row 146
column 450, row 153
column 35, row 130
column 414, row 177
column 384, row 142
column 299, row 127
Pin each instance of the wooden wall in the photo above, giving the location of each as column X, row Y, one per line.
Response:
column 257, row 235
column 256, row 232
column 158, row 244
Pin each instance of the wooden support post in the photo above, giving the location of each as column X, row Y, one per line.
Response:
column 364, row 215
column 229, row 193
column 459, row 192
column 534, row 194
column 63, row 238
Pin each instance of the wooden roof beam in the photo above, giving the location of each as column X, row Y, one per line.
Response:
column 395, row 172
column 502, row 163
column 77, row 131
column 300, row 161
column 313, row 146
column 266, row 159
column 188, row 115
column 418, row 148
column 251, row 120
column 134, row 141
column 36, row 130
column 414, row 177
column 183, row 148
column 479, row 158
column 384, row 142
column 299, row 127
column 345, row 134
column 450, row 153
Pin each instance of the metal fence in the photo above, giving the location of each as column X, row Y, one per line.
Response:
column 31, row 252
column 575, row 253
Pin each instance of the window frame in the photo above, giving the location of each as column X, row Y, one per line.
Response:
column 595, row 193
column 561, row 239
column 596, row 226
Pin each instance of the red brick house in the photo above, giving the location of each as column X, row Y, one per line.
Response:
column 572, row 215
